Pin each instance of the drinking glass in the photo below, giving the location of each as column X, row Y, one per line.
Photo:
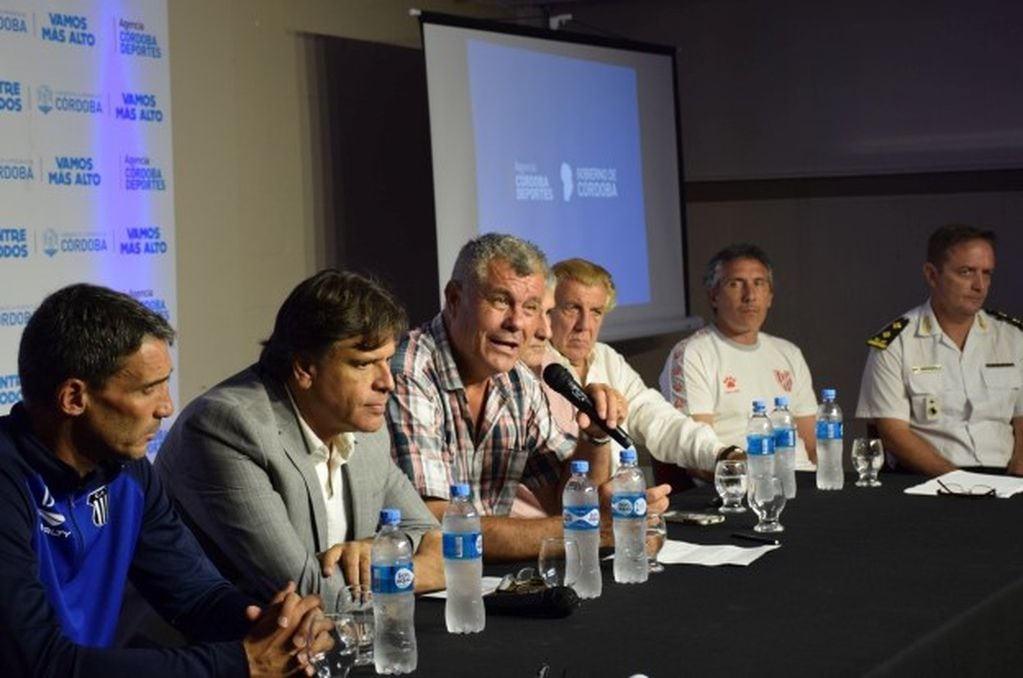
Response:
column 338, row 660
column 558, row 561
column 730, row 482
column 767, row 499
column 656, row 533
column 357, row 600
column 867, row 459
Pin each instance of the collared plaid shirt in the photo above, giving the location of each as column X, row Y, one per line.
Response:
column 433, row 435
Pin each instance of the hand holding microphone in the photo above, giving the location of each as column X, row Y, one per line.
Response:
column 562, row 381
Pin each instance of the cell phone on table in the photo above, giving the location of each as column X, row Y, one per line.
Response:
column 693, row 518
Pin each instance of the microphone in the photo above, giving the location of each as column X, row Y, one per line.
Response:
column 562, row 381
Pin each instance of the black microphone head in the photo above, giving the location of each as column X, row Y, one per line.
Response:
column 557, row 375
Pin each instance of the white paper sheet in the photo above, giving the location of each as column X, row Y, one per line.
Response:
column 684, row 553
column 1004, row 486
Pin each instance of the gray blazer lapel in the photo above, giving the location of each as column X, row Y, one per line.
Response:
column 294, row 445
column 365, row 479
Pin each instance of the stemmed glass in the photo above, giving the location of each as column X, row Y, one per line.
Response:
column 558, row 561
column 337, row 660
column 767, row 499
column 656, row 533
column 867, row 459
column 730, row 483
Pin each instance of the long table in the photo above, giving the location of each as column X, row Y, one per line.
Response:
column 868, row 581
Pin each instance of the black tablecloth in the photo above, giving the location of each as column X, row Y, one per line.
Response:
column 866, row 581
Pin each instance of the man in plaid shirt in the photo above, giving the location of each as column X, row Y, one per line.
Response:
column 464, row 408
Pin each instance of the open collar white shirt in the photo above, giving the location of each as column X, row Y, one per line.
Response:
column 328, row 458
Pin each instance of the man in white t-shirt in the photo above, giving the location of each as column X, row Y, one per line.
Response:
column 716, row 373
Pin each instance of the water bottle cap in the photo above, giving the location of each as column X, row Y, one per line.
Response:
column 390, row 516
column 628, row 456
column 580, row 466
column 781, row 401
column 460, row 490
column 828, row 394
column 758, row 406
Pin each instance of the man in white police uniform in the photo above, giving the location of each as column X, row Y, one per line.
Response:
column 943, row 383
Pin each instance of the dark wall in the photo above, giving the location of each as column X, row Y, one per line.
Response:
column 380, row 181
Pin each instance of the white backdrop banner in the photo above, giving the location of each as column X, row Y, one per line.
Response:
column 85, row 159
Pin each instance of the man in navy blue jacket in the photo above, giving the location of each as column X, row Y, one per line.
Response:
column 82, row 513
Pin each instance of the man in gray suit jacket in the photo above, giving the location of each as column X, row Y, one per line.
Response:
column 282, row 469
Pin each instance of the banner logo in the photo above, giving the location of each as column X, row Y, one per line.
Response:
column 142, row 240
column 13, row 22
column 68, row 102
column 89, row 242
column 134, row 40
column 10, row 96
column 74, row 171
column 13, row 243
column 10, row 389
column 70, row 29
column 44, row 97
column 141, row 174
column 16, row 170
column 140, row 107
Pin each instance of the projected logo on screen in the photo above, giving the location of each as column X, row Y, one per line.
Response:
column 558, row 160
column 531, row 184
column 588, row 182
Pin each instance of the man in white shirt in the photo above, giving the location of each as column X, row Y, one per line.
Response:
column 944, row 383
column 585, row 294
column 282, row 469
column 716, row 373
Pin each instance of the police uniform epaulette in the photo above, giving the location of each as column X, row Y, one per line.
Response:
column 1005, row 317
column 888, row 334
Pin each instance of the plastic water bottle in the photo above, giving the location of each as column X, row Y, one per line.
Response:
column 582, row 523
column 759, row 442
column 628, row 515
column 463, row 564
column 394, row 643
column 784, row 445
column 829, row 443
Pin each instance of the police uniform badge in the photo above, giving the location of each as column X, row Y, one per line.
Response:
column 887, row 335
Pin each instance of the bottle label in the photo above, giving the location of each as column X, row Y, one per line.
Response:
column 628, row 504
column 393, row 578
column 463, row 545
column 829, row 430
column 581, row 517
column 784, row 437
column 759, row 445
